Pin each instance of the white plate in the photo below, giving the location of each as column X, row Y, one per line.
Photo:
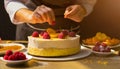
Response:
column 17, row 61
column 12, row 44
column 91, row 46
column 83, row 53
column 103, row 53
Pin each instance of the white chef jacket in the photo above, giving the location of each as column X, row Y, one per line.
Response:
column 12, row 6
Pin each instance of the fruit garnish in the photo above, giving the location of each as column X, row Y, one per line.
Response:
column 46, row 35
column 50, row 31
column 65, row 32
column 98, row 44
column 6, row 57
column 41, row 33
column 14, row 56
column 61, row 35
column 72, row 34
column 8, row 53
column 35, row 34
column 54, row 35
column 53, row 23
column 101, row 47
column 58, row 31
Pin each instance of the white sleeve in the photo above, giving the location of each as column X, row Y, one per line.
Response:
column 87, row 4
column 11, row 9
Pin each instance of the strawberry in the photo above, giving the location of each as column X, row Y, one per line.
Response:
column 35, row 34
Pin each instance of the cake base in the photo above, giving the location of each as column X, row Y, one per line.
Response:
column 53, row 52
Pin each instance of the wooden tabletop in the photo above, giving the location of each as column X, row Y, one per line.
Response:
column 90, row 62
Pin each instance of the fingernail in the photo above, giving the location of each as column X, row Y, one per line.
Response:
column 53, row 22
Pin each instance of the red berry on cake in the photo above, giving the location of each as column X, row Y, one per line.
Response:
column 41, row 33
column 72, row 34
column 61, row 35
column 35, row 34
column 46, row 35
column 65, row 32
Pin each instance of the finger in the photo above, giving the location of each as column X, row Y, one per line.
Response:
column 70, row 11
column 67, row 10
column 44, row 14
column 51, row 16
column 37, row 14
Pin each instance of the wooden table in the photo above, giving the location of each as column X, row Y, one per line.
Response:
column 90, row 62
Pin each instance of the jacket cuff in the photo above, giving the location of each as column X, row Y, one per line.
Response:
column 12, row 8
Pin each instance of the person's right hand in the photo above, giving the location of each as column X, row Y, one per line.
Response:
column 43, row 14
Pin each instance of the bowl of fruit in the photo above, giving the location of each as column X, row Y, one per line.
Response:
column 11, row 57
column 101, row 49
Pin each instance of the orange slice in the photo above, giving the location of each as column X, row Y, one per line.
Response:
column 50, row 31
column 54, row 35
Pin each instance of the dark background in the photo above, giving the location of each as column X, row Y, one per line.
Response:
column 105, row 18
column 7, row 29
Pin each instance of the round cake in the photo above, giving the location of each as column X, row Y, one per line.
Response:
column 52, row 44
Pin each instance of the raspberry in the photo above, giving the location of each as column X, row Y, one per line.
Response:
column 53, row 23
column 57, row 31
column 72, row 34
column 107, row 49
column 11, row 57
column 65, row 32
column 22, row 56
column 98, row 44
column 16, row 52
column 103, row 44
column 96, row 48
column 35, row 34
column 61, row 35
column 6, row 57
column 101, row 47
column 16, row 56
column 8, row 53
column 41, row 33
column 46, row 35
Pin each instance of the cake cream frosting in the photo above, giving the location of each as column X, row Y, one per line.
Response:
column 53, row 47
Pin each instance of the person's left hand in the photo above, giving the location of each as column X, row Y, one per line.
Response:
column 75, row 13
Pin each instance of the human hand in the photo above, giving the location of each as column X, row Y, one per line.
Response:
column 75, row 13
column 43, row 14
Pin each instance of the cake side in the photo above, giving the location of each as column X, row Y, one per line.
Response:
column 54, row 47
column 52, row 44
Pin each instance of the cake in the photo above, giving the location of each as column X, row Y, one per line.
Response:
column 51, row 43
